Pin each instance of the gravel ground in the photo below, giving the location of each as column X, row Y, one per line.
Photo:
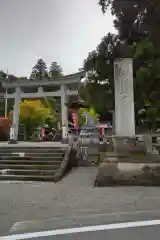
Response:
column 73, row 196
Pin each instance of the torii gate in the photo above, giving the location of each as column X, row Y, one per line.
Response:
column 68, row 86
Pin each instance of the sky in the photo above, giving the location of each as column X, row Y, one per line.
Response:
column 64, row 31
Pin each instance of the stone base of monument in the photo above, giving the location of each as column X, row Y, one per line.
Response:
column 129, row 170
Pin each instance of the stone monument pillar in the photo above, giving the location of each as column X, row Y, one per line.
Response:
column 124, row 97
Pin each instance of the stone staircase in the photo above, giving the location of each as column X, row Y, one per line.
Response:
column 30, row 163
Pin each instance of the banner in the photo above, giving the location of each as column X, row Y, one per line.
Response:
column 75, row 120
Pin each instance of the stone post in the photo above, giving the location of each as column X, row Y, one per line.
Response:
column 124, row 97
column 148, row 143
column 113, row 122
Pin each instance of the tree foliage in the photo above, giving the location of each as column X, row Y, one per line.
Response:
column 33, row 114
column 55, row 71
column 3, row 75
column 39, row 71
column 100, row 90
column 135, row 19
column 138, row 24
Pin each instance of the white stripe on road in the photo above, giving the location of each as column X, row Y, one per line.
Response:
column 81, row 230
column 16, row 225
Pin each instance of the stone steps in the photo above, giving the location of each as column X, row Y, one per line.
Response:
column 30, row 166
column 28, row 172
column 27, row 154
column 31, row 150
column 31, row 159
column 13, row 157
column 42, row 178
column 30, row 163
column 34, row 158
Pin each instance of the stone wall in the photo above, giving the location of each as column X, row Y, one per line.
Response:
column 129, row 170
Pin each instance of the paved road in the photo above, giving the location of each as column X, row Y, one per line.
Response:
column 75, row 203
column 122, row 226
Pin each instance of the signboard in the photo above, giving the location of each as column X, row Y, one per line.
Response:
column 75, row 120
column 12, row 133
column 105, row 125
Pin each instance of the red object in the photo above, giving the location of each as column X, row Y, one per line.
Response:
column 99, row 128
column 103, row 131
column 75, row 120
column 5, row 124
column 43, row 134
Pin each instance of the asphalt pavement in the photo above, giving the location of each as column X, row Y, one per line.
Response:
column 74, row 209
column 142, row 225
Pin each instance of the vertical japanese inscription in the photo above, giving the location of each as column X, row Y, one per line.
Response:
column 123, row 84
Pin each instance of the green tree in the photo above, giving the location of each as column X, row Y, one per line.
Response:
column 99, row 92
column 55, row 71
column 33, row 114
column 3, row 75
column 135, row 19
column 147, row 73
column 39, row 71
column 136, row 39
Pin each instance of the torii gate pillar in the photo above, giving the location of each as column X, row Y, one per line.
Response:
column 15, row 117
column 64, row 113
